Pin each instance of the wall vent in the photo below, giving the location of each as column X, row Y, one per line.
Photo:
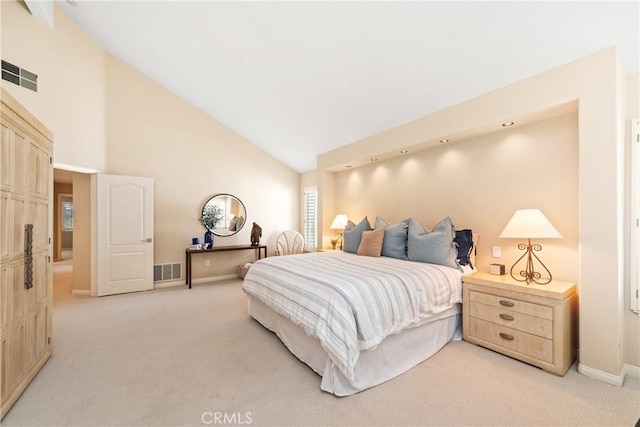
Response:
column 19, row 76
column 163, row 272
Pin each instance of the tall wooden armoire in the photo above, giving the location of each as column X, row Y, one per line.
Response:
column 26, row 276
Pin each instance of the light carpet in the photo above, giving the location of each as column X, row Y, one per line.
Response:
column 180, row 357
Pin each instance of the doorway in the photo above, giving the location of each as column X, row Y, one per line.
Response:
column 65, row 226
column 63, row 233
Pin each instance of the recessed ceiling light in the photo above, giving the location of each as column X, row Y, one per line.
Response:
column 404, row 151
column 506, row 124
column 374, row 159
column 444, row 141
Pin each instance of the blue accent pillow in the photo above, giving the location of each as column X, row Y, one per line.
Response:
column 353, row 235
column 436, row 246
column 394, row 244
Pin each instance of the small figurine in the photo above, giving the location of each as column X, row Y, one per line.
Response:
column 256, row 234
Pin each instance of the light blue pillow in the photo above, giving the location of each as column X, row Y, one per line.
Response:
column 436, row 246
column 353, row 235
column 394, row 244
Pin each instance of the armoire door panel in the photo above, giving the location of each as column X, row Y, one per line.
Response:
column 33, row 170
column 38, row 170
column 37, row 216
column 13, row 359
column 5, row 225
column 18, row 214
column 19, row 168
column 41, row 223
column 6, row 294
column 18, row 292
column 36, row 335
column 6, row 157
column 40, row 272
column 30, row 337
column 45, row 185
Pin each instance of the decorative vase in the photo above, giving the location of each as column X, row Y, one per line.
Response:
column 208, row 239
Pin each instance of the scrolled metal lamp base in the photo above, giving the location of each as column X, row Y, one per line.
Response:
column 529, row 275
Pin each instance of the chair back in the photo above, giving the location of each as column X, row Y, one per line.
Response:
column 289, row 242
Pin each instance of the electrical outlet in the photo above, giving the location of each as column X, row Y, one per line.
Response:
column 497, row 252
column 207, row 262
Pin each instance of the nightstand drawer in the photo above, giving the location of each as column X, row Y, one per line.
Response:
column 512, row 319
column 531, row 309
column 527, row 344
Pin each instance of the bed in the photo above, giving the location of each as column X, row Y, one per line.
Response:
column 357, row 321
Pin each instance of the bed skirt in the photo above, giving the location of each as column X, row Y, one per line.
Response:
column 395, row 355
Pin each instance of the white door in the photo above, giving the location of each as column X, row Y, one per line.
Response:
column 124, row 238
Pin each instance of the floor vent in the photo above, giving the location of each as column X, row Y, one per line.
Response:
column 167, row 272
column 19, row 76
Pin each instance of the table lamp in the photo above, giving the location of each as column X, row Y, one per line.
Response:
column 530, row 224
column 339, row 223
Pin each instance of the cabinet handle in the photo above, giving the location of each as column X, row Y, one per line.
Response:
column 506, row 336
column 505, row 317
column 506, row 303
column 28, row 256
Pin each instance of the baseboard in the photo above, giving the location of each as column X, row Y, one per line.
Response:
column 617, row 380
column 631, row 370
column 82, row 292
column 214, row 278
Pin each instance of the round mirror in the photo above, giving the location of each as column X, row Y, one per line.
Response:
column 223, row 215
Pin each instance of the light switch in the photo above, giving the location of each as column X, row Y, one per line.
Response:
column 497, row 252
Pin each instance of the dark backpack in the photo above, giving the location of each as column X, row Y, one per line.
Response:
column 464, row 240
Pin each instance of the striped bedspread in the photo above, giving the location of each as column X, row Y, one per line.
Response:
column 349, row 302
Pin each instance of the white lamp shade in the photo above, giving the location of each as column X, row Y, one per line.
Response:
column 339, row 222
column 527, row 224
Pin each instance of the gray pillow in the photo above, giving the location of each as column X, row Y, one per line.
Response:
column 353, row 235
column 394, row 244
column 435, row 247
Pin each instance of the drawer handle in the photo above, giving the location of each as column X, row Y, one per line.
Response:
column 506, row 336
column 506, row 317
column 506, row 303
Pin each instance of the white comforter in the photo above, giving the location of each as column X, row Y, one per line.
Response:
column 349, row 302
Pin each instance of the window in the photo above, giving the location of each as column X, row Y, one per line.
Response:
column 310, row 210
column 635, row 215
column 67, row 214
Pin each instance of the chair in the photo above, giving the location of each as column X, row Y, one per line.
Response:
column 289, row 242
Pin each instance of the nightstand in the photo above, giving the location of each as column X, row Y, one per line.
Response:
column 532, row 323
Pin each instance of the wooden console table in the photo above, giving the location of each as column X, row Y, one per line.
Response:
column 190, row 252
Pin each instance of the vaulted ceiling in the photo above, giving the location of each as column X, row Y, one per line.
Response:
column 299, row 79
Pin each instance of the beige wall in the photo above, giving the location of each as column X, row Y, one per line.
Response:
column 81, row 281
column 595, row 84
column 479, row 183
column 191, row 157
column 71, row 82
column 631, row 320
